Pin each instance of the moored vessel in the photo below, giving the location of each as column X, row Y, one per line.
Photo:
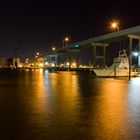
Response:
column 119, row 68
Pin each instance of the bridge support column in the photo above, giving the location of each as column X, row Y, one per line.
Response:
column 94, row 56
column 139, row 55
column 131, row 37
column 130, row 56
column 104, row 55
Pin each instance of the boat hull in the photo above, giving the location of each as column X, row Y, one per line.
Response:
column 112, row 73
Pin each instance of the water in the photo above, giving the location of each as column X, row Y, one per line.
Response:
column 37, row 105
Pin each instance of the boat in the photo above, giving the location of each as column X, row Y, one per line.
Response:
column 119, row 68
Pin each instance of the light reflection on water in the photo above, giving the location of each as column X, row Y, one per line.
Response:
column 63, row 106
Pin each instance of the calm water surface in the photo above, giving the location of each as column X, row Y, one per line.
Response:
column 37, row 105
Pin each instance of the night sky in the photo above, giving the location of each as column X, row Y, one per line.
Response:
column 38, row 25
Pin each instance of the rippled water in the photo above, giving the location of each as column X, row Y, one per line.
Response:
column 37, row 105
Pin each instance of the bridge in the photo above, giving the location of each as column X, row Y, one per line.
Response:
column 103, row 42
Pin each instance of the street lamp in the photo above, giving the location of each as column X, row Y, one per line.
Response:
column 65, row 41
column 37, row 53
column 27, row 60
column 53, row 48
column 135, row 54
column 114, row 25
column 137, row 57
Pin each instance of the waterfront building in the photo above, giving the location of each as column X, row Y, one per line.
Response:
column 10, row 62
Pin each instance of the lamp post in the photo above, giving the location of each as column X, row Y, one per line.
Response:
column 65, row 41
column 37, row 55
column 115, row 26
column 27, row 60
column 136, row 55
column 53, row 48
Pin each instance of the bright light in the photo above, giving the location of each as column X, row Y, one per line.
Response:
column 20, row 65
column 73, row 65
column 76, row 46
column 40, row 65
column 135, row 53
column 37, row 53
column 68, row 63
column 66, row 39
column 53, row 48
column 52, row 64
column 114, row 25
column 46, row 63
column 61, row 65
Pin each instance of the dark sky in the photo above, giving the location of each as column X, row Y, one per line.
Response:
column 38, row 25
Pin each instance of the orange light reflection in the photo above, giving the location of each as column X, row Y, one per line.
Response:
column 112, row 109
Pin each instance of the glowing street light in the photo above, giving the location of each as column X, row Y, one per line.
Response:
column 27, row 60
column 137, row 57
column 135, row 53
column 114, row 25
column 40, row 64
column 65, row 41
column 37, row 53
column 53, row 48
column 73, row 65
column 68, row 64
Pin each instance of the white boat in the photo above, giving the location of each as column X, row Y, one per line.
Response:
column 119, row 68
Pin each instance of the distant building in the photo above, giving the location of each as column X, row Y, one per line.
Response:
column 9, row 62
column 13, row 62
column 3, row 62
column 16, row 62
column 51, row 60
